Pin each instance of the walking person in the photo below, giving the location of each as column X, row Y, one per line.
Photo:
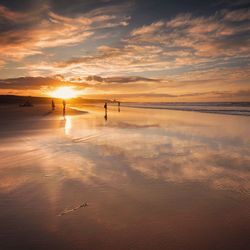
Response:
column 53, row 106
column 64, row 107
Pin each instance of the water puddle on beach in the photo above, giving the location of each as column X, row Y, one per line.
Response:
column 136, row 179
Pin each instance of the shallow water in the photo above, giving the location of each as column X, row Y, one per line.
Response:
column 226, row 108
column 142, row 179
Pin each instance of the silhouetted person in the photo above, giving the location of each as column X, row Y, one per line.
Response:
column 105, row 107
column 106, row 110
column 119, row 104
column 53, row 106
column 64, row 107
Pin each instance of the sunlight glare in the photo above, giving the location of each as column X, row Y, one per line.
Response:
column 66, row 92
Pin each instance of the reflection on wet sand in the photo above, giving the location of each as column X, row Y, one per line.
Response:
column 152, row 180
column 67, row 126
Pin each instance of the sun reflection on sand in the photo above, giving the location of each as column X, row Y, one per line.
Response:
column 68, row 125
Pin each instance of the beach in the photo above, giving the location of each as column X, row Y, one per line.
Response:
column 138, row 179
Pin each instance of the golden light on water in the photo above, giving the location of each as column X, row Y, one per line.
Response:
column 65, row 92
column 67, row 126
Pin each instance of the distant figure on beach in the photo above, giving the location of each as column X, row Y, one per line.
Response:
column 53, row 106
column 27, row 103
column 119, row 104
column 106, row 111
column 64, row 107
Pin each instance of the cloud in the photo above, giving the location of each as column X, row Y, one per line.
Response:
column 205, row 95
column 36, row 85
column 7, row 14
column 28, row 82
column 219, row 35
column 131, row 88
column 203, row 83
column 129, row 79
column 237, row 15
column 148, row 29
column 181, row 42
column 224, row 75
column 111, row 60
column 25, row 34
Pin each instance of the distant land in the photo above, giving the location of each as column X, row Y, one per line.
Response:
column 15, row 99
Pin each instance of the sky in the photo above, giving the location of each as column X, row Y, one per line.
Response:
column 138, row 50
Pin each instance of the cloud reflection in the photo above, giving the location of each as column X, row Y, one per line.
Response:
column 170, row 150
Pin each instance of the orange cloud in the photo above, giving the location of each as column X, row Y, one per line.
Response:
column 10, row 15
column 37, row 30
column 164, row 45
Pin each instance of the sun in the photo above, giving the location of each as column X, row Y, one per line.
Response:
column 65, row 92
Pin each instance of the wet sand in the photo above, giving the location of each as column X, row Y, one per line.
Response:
column 142, row 179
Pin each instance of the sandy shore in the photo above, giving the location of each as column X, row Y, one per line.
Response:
column 14, row 120
column 140, row 179
column 13, row 111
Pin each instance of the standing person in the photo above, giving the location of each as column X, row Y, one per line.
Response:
column 53, row 105
column 105, row 107
column 64, row 107
column 106, row 110
column 119, row 104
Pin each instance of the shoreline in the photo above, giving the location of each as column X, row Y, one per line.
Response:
column 216, row 112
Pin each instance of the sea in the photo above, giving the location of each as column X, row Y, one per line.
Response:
column 226, row 108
